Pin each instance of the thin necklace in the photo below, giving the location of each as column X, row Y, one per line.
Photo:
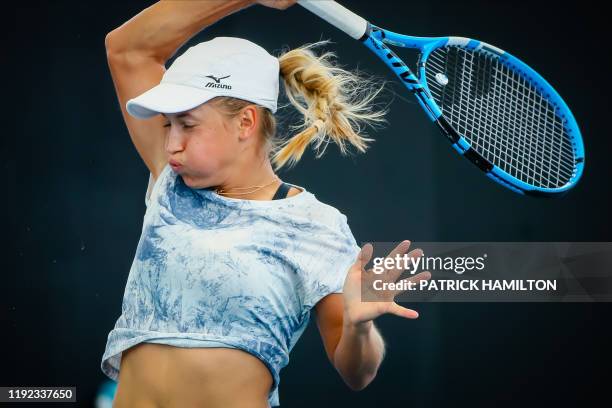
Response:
column 221, row 191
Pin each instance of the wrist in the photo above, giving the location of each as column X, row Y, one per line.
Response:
column 357, row 327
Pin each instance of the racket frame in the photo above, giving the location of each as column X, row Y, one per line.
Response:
column 376, row 39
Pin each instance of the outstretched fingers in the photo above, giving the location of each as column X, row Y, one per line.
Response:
column 404, row 283
column 401, row 311
column 404, row 262
column 364, row 256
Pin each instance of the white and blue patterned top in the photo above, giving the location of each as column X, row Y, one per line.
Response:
column 213, row 271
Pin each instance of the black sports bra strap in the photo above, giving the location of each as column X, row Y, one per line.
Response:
column 282, row 192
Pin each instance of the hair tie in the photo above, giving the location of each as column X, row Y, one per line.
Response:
column 319, row 124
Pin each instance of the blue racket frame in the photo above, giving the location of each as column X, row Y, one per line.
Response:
column 376, row 38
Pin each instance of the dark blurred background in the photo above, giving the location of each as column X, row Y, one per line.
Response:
column 76, row 186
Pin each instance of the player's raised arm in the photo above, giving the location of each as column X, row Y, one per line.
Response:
column 139, row 48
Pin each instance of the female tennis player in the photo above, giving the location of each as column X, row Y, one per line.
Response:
column 232, row 259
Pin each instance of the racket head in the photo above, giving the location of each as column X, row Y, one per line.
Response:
column 502, row 115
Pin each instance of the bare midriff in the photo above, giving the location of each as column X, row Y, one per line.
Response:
column 162, row 376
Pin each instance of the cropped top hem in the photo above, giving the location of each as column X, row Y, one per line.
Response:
column 111, row 361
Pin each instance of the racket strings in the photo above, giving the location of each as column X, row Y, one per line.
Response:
column 502, row 115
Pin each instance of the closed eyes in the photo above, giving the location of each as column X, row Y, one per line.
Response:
column 184, row 126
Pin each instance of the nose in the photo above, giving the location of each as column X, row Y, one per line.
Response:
column 174, row 141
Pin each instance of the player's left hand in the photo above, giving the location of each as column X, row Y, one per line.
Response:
column 379, row 302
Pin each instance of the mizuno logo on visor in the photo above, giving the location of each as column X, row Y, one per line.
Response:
column 217, row 83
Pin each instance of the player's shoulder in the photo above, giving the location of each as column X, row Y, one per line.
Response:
column 328, row 214
column 294, row 191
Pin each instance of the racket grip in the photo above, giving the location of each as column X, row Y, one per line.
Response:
column 337, row 15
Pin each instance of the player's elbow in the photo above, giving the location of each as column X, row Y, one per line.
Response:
column 113, row 48
column 120, row 55
column 116, row 46
column 357, row 386
column 111, row 43
column 360, row 382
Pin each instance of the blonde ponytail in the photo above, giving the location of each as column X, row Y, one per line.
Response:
column 334, row 102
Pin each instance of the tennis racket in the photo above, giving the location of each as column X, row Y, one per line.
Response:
column 495, row 110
